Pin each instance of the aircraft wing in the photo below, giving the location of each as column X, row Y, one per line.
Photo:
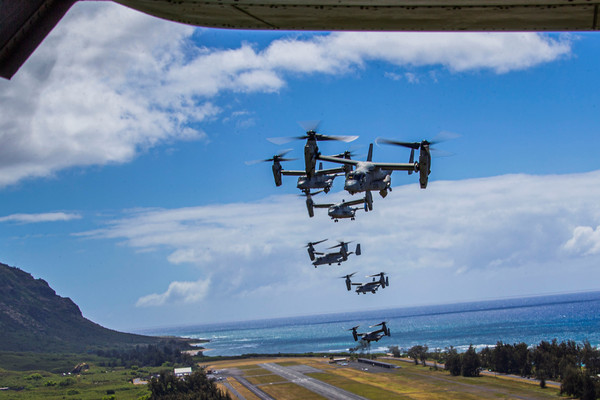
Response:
column 23, row 26
column 354, row 202
column 25, row 23
column 395, row 166
column 293, row 173
column 322, row 205
column 338, row 160
column 379, row 15
column 329, row 171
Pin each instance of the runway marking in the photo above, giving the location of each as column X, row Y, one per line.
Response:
column 314, row 385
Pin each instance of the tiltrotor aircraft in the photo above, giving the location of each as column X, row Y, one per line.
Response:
column 373, row 335
column 331, row 258
column 341, row 210
column 372, row 286
column 322, row 178
column 311, row 150
column 424, row 147
column 369, row 175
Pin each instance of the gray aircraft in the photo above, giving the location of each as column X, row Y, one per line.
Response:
column 331, row 258
column 424, row 147
column 341, row 210
column 369, row 175
column 322, row 179
column 373, row 335
column 372, row 286
column 311, row 149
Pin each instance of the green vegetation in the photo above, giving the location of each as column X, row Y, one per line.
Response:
column 34, row 318
column 93, row 384
column 575, row 366
column 356, row 387
column 194, row 387
column 290, row 391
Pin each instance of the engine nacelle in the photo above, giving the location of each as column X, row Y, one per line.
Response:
column 277, row 173
column 310, row 207
column 369, row 201
column 357, row 252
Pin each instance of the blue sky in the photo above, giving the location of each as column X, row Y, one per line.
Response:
column 123, row 182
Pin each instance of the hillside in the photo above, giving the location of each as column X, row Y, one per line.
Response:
column 34, row 318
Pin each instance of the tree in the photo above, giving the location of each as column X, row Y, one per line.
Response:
column 193, row 387
column 394, row 350
column 417, row 353
column 470, row 363
column 572, row 382
column 589, row 388
column 453, row 362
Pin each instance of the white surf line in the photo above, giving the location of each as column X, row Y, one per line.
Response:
column 314, row 385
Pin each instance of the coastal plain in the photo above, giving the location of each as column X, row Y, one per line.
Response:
column 250, row 380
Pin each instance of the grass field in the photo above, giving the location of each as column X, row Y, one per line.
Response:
column 95, row 384
column 408, row 382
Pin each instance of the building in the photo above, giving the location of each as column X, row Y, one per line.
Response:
column 179, row 372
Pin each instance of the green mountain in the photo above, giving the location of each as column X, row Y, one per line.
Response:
column 34, row 318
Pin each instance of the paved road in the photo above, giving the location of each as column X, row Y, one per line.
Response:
column 237, row 374
column 314, row 385
column 232, row 390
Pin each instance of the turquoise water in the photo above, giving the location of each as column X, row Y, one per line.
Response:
column 530, row 320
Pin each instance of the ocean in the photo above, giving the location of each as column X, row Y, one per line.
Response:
column 530, row 320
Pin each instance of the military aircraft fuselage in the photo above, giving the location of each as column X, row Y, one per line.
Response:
column 368, row 287
column 311, row 151
column 341, row 211
column 331, row 258
column 316, row 182
column 367, row 177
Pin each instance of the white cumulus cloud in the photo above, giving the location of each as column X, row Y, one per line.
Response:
column 445, row 235
column 43, row 217
column 585, row 241
column 178, row 292
column 110, row 82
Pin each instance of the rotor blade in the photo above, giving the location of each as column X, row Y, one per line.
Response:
column 314, row 243
column 443, row 136
column 379, row 324
column 308, row 193
column 440, row 153
column 310, row 125
column 410, row 145
column 347, row 276
column 278, row 157
column 340, row 244
column 347, row 155
column 354, row 327
column 346, row 139
column 284, row 140
column 370, row 276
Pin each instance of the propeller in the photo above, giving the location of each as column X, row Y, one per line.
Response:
column 353, row 328
column 347, row 276
column 379, row 324
column 311, row 128
column 374, row 275
column 307, row 193
column 341, row 243
column 348, row 154
column 276, row 158
column 439, row 138
column 315, row 243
